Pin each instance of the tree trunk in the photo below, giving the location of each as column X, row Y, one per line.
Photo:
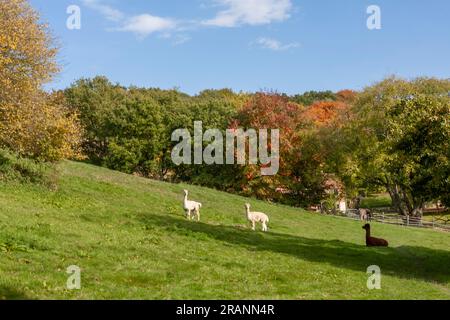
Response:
column 405, row 203
column 417, row 212
column 397, row 199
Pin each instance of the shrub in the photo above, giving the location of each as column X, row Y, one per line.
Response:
column 16, row 168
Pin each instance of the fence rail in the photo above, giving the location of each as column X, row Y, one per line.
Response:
column 386, row 215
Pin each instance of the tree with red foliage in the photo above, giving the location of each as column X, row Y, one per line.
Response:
column 295, row 178
column 270, row 111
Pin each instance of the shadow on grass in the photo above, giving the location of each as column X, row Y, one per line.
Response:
column 7, row 293
column 402, row 262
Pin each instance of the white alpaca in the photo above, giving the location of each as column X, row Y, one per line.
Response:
column 191, row 207
column 254, row 217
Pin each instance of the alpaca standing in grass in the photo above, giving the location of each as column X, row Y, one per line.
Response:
column 373, row 242
column 254, row 217
column 191, row 207
column 364, row 214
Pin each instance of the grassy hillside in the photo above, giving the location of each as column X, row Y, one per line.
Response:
column 376, row 201
column 131, row 240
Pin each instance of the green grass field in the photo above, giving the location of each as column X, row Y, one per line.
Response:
column 376, row 201
column 131, row 240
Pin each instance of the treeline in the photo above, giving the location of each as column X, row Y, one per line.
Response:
column 129, row 129
column 393, row 136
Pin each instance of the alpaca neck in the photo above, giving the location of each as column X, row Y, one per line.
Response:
column 247, row 212
column 367, row 233
column 185, row 198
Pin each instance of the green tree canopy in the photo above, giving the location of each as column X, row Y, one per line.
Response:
column 399, row 139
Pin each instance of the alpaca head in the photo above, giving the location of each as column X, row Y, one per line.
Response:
column 367, row 227
column 185, row 192
column 247, row 206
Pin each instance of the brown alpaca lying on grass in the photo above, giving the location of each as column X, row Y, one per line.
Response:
column 373, row 242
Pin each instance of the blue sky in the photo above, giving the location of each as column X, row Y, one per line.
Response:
column 290, row 46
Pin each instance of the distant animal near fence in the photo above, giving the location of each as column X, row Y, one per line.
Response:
column 386, row 215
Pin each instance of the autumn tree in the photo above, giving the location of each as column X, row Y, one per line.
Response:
column 31, row 121
column 322, row 120
column 324, row 113
column 346, row 96
column 272, row 111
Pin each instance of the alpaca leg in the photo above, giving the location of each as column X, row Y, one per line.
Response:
column 264, row 227
column 189, row 215
column 198, row 214
column 253, row 225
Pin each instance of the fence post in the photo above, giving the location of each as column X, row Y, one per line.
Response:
column 407, row 220
column 433, row 222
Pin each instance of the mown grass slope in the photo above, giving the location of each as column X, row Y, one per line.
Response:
column 131, row 240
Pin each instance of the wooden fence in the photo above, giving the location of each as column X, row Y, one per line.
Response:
column 386, row 215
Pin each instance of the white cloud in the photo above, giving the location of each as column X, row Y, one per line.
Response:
column 105, row 10
column 251, row 12
column 180, row 39
column 142, row 25
column 235, row 13
column 146, row 24
column 275, row 45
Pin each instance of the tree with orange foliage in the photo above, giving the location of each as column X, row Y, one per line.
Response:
column 347, row 96
column 324, row 113
column 321, row 142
